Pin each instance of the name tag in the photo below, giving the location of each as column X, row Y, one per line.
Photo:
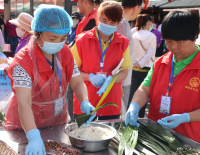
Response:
column 165, row 105
column 58, row 106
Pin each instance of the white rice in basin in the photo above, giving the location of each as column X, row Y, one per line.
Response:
column 91, row 133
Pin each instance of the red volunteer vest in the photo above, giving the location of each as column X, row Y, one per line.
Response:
column 41, row 113
column 85, row 21
column 89, row 51
column 185, row 92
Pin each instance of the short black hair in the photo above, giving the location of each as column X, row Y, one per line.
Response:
column 180, row 25
column 131, row 3
column 98, row 2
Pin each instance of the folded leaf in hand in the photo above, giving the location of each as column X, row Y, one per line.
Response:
column 82, row 118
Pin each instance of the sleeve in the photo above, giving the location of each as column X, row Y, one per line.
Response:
column 147, row 80
column 21, row 78
column 121, row 29
column 76, row 56
column 150, row 52
column 91, row 24
column 76, row 70
column 127, row 58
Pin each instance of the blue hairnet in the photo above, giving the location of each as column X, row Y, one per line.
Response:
column 51, row 18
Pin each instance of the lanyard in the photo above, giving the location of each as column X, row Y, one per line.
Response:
column 102, row 53
column 171, row 76
column 59, row 73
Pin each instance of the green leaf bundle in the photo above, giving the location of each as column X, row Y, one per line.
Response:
column 128, row 140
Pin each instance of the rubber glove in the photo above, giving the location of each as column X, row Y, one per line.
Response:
column 105, row 85
column 96, row 80
column 35, row 143
column 86, row 107
column 175, row 120
column 132, row 114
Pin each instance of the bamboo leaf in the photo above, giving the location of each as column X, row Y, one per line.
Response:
column 130, row 146
column 110, row 86
column 82, row 118
column 104, row 105
column 140, row 147
column 126, row 135
column 1, row 116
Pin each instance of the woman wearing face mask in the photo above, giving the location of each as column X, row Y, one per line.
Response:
column 144, row 53
column 23, row 23
column 97, row 53
column 39, row 76
column 72, row 33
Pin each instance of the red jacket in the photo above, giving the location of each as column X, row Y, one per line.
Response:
column 45, row 87
column 185, row 92
column 85, row 21
column 90, row 54
column 11, row 29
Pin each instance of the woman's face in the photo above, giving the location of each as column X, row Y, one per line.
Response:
column 181, row 49
column 105, row 20
column 148, row 25
column 51, row 37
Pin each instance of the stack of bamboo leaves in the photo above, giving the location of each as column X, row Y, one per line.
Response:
column 150, row 140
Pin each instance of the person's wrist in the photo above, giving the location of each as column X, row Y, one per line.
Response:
column 84, row 102
column 32, row 133
column 90, row 76
column 134, row 104
column 187, row 117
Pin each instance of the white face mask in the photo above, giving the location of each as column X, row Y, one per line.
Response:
column 20, row 32
column 151, row 28
column 75, row 22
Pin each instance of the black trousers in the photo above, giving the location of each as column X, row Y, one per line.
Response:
column 137, row 79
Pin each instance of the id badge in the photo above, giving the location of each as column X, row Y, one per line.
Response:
column 102, row 74
column 58, row 106
column 165, row 105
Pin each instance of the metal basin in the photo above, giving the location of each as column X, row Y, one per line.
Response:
column 90, row 145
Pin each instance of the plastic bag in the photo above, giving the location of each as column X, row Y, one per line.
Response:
column 6, row 102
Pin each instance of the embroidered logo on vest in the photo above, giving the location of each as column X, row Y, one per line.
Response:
column 194, row 82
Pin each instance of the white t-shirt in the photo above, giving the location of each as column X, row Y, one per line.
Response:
column 22, row 79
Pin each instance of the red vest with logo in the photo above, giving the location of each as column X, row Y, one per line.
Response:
column 85, row 21
column 90, row 53
column 185, row 93
column 43, row 113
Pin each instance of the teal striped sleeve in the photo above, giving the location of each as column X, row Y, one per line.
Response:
column 147, row 80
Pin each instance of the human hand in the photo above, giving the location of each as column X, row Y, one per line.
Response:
column 136, row 65
column 35, row 144
column 105, row 85
column 96, row 80
column 86, row 107
column 5, row 71
column 175, row 120
column 132, row 114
